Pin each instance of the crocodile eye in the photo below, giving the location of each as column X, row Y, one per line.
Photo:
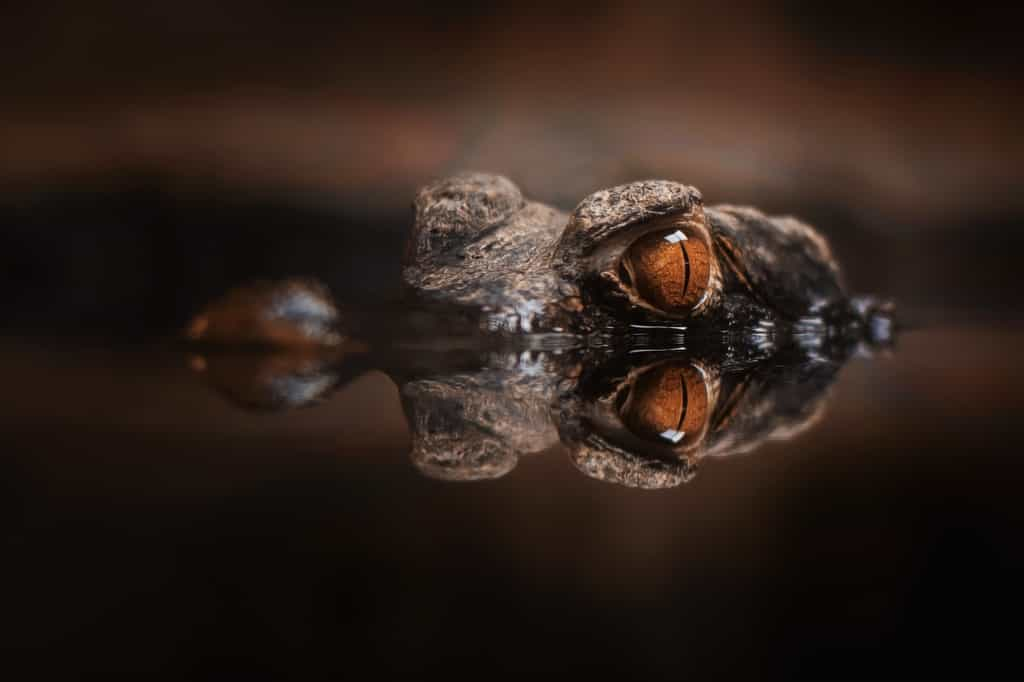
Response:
column 666, row 404
column 668, row 270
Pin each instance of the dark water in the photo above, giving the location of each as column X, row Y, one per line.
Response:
column 153, row 526
column 862, row 519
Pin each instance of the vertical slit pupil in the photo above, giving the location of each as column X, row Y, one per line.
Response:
column 686, row 271
column 686, row 399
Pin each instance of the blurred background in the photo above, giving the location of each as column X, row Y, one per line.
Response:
column 153, row 154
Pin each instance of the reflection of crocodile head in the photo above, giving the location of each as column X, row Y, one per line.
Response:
column 638, row 419
column 613, row 293
column 641, row 420
column 646, row 253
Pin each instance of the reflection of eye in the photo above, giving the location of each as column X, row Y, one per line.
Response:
column 669, row 270
column 666, row 404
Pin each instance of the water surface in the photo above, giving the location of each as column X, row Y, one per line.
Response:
column 154, row 524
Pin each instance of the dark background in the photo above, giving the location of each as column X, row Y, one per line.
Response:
column 154, row 154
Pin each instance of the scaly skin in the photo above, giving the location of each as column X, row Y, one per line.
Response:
column 765, row 332
column 476, row 242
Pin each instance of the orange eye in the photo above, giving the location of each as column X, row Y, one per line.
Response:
column 669, row 270
column 666, row 404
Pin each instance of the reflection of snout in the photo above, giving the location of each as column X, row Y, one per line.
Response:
column 269, row 381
